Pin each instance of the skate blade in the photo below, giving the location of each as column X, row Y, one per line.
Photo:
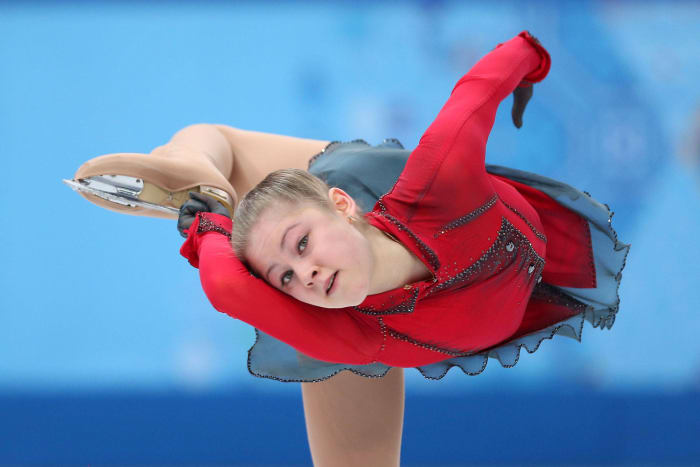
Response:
column 119, row 189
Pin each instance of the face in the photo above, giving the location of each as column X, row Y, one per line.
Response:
column 313, row 254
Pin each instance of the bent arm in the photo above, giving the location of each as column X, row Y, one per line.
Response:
column 338, row 336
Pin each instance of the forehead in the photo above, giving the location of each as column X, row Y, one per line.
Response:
column 267, row 233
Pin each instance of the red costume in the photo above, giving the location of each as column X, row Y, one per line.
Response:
column 499, row 250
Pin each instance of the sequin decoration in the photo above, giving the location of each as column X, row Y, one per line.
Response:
column 509, row 246
column 357, row 369
column 427, row 252
column 393, row 140
column 389, row 308
column 551, row 294
column 207, row 225
column 425, row 345
column 330, row 147
column 539, row 235
column 468, row 217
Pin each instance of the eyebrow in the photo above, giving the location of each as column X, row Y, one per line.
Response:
column 267, row 274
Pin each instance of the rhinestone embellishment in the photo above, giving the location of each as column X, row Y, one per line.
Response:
column 492, row 261
column 434, row 348
column 530, row 269
column 330, row 147
column 207, row 225
column 427, row 252
column 388, row 308
column 468, row 217
column 538, row 234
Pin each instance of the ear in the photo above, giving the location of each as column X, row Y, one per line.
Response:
column 342, row 202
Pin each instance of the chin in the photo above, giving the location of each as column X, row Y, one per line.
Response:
column 358, row 301
column 345, row 304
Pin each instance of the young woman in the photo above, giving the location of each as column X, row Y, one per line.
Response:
column 458, row 262
column 453, row 265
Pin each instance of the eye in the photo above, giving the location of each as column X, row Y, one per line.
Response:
column 301, row 246
column 302, row 243
column 286, row 277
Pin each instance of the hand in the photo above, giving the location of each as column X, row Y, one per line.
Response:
column 521, row 96
column 198, row 202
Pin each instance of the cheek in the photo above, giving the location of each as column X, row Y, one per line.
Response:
column 359, row 252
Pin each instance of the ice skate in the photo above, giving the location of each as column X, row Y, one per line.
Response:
column 153, row 185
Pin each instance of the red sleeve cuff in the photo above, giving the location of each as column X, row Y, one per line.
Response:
column 545, row 61
column 204, row 222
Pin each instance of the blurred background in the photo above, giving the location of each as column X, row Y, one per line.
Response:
column 111, row 353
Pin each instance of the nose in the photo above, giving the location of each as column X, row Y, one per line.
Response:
column 309, row 274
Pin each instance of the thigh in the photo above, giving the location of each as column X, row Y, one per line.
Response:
column 257, row 154
column 353, row 420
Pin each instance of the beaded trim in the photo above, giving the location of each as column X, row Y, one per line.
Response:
column 207, row 225
column 589, row 247
column 393, row 140
column 297, row 380
column 330, row 147
column 425, row 345
column 485, row 354
column 551, row 294
column 467, row 218
column 504, row 247
column 427, row 252
column 382, row 327
column 406, row 306
column 539, row 235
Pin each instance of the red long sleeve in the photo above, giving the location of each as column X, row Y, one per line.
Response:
column 331, row 335
column 448, row 163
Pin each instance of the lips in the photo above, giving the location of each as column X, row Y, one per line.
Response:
column 330, row 284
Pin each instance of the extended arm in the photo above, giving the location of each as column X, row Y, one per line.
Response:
column 449, row 160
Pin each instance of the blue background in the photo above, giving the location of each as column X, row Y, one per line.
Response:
column 109, row 351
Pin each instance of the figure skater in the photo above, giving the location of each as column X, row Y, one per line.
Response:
column 456, row 263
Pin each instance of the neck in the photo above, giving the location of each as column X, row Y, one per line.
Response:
column 394, row 265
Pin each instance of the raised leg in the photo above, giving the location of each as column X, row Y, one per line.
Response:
column 218, row 160
column 257, row 154
column 350, row 419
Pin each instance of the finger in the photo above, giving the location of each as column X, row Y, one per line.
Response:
column 184, row 223
column 192, row 210
column 192, row 207
column 517, row 116
column 201, row 197
column 521, row 96
column 212, row 205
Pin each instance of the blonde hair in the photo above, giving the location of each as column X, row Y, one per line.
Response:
column 293, row 186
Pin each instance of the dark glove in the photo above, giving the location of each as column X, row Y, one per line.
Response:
column 197, row 203
column 521, row 96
